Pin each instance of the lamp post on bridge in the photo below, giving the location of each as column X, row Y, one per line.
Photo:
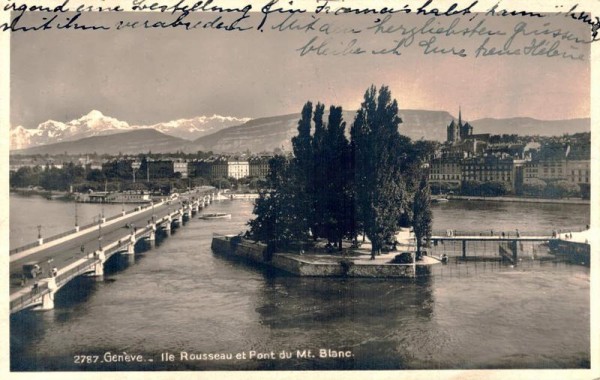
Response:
column 40, row 239
column 99, row 232
column 76, row 219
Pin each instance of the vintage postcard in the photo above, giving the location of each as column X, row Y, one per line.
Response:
column 223, row 188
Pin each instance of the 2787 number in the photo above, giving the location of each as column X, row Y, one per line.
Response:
column 85, row 359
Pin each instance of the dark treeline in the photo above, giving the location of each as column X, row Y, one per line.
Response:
column 334, row 188
column 118, row 174
column 77, row 178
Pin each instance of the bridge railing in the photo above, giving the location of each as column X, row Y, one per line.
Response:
column 120, row 244
column 89, row 225
column 58, row 236
column 73, row 272
column 23, row 248
column 27, row 299
column 72, row 231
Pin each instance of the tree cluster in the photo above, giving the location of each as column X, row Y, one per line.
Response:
column 555, row 189
column 485, row 189
column 79, row 179
column 336, row 188
column 50, row 178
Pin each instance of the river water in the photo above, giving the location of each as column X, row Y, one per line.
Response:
column 181, row 299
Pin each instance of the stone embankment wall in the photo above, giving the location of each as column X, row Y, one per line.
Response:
column 296, row 265
column 306, row 265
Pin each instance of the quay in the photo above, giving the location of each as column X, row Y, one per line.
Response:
column 85, row 251
column 354, row 263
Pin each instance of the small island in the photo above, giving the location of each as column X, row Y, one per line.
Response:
column 357, row 207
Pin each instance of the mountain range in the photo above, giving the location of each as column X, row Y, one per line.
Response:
column 97, row 124
column 95, row 132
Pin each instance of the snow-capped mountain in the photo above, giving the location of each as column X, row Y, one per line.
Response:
column 97, row 124
column 197, row 127
column 52, row 131
column 21, row 137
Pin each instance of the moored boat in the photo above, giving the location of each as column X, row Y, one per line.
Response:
column 217, row 215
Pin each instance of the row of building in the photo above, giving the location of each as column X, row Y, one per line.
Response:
column 469, row 157
column 213, row 167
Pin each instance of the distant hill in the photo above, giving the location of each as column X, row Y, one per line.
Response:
column 529, row 126
column 263, row 134
column 266, row 134
column 137, row 141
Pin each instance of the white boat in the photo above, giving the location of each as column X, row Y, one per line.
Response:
column 215, row 216
column 439, row 200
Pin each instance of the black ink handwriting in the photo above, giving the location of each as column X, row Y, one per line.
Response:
column 270, row 9
column 316, row 24
column 323, row 47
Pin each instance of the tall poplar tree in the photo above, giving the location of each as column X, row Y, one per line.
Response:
column 422, row 216
column 302, row 146
column 319, row 174
column 337, row 189
column 379, row 185
column 301, row 170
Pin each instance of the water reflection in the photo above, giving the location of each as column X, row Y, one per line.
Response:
column 342, row 314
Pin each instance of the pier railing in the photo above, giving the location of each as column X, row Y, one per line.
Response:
column 498, row 233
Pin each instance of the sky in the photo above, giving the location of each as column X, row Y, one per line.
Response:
column 151, row 76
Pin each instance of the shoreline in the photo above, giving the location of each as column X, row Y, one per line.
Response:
column 573, row 201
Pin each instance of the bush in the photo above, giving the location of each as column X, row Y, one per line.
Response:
column 562, row 189
column 495, row 188
column 584, row 188
column 535, row 188
column 444, row 188
column 403, row 258
column 486, row 189
column 471, row 188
